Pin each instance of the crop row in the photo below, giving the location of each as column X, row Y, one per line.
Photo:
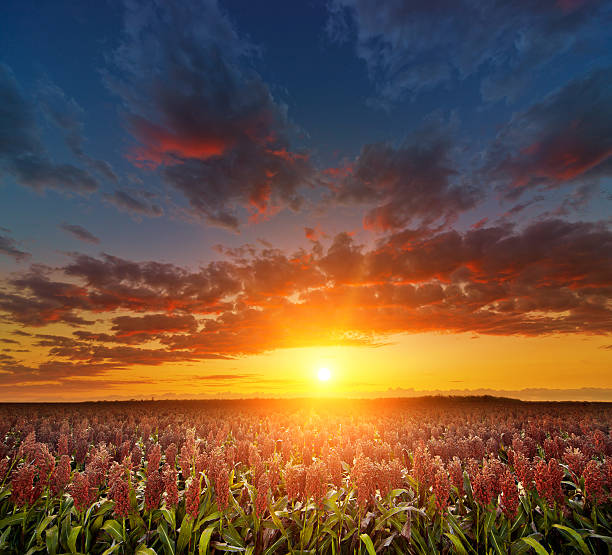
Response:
column 428, row 476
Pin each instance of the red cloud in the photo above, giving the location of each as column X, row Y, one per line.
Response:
column 560, row 139
column 161, row 146
column 284, row 154
column 313, row 233
column 480, row 223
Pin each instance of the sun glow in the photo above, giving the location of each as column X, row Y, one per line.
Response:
column 324, row 374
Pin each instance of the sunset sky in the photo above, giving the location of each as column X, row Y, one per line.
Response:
column 219, row 199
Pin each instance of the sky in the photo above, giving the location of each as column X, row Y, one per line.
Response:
column 218, row 199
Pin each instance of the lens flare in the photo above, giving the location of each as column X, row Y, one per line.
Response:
column 324, row 374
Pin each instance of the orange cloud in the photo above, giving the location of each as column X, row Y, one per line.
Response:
column 552, row 277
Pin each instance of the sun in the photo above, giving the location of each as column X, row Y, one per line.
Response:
column 324, row 374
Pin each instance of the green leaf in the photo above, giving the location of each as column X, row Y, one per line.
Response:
column 205, row 540
column 518, row 521
column 65, row 529
column 170, row 517
column 457, row 529
column 518, row 548
column 488, row 522
column 225, row 547
column 607, row 539
column 184, row 533
column 114, row 530
column 368, row 543
column 575, row 537
column 276, row 545
column 52, row 539
column 72, row 538
column 88, row 538
column 105, row 508
column 278, row 523
column 163, row 536
column 13, row 519
column 42, row 526
column 396, row 492
column 96, row 524
column 144, row 550
column 306, row 533
column 537, row 546
column 212, row 516
column 456, row 542
column 3, row 538
column 231, row 535
column 496, row 544
column 111, row 549
column 381, row 523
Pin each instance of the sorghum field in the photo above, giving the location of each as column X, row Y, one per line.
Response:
column 464, row 475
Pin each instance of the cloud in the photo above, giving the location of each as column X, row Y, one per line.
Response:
column 228, row 377
column 552, row 276
column 128, row 202
column 51, row 372
column 67, row 114
column 80, row 233
column 202, row 116
column 411, row 47
column 565, row 138
column 40, row 300
column 8, row 341
column 8, row 247
column 416, row 181
column 153, row 324
column 520, row 207
column 111, row 284
column 577, row 200
column 22, row 154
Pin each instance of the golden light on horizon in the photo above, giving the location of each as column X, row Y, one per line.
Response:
column 324, row 374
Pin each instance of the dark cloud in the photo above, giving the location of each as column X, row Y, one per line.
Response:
column 8, row 246
column 416, row 181
column 409, row 47
column 112, row 284
column 50, row 371
column 201, row 115
column 22, row 155
column 80, row 233
column 39, row 300
column 562, row 139
column 65, row 113
column 153, row 324
column 120, row 356
column 137, row 206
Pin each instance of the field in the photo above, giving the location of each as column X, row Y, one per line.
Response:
column 464, row 475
